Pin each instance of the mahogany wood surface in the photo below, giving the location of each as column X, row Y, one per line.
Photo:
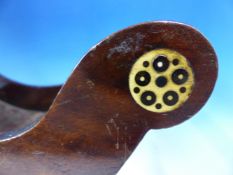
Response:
column 94, row 124
column 28, row 97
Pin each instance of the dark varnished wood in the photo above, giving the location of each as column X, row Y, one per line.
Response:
column 94, row 124
column 15, row 120
column 28, row 97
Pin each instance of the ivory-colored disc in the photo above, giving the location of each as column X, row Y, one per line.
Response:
column 161, row 80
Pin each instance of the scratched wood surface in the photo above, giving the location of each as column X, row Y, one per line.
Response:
column 94, row 124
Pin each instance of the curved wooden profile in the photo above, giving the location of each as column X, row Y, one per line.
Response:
column 28, row 97
column 94, row 124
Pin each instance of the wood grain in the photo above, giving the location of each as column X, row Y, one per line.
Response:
column 94, row 124
column 28, row 97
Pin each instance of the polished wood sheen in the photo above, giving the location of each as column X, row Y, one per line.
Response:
column 28, row 97
column 94, row 124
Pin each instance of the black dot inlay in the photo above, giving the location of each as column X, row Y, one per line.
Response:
column 170, row 98
column 148, row 98
column 145, row 63
column 142, row 78
column 180, row 76
column 158, row 106
column 161, row 81
column 183, row 90
column 175, row 62
column 161, row 63
column 136, row 90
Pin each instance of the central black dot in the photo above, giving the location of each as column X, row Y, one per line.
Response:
column 161, row 81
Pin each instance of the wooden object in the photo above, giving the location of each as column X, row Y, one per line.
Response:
column 28, row 97
column 94, row 123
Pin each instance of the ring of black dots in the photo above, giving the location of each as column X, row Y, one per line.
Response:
column 161, row 64
column 158, row 106
column 145, row 63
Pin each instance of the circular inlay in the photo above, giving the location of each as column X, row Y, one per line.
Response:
column 148, row 98
column 158, row 106
column 161, row 80
column 170, row 98
column 160, row 63
column 142, row 78
column 175, row 62
column 182, row 89
column 180, row 76
column 136, row 90
column 145, row 63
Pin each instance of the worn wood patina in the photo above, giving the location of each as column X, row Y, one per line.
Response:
column 94, row 123
column 28, row 97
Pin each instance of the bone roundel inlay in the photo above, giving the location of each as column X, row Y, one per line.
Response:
column 161, row 80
